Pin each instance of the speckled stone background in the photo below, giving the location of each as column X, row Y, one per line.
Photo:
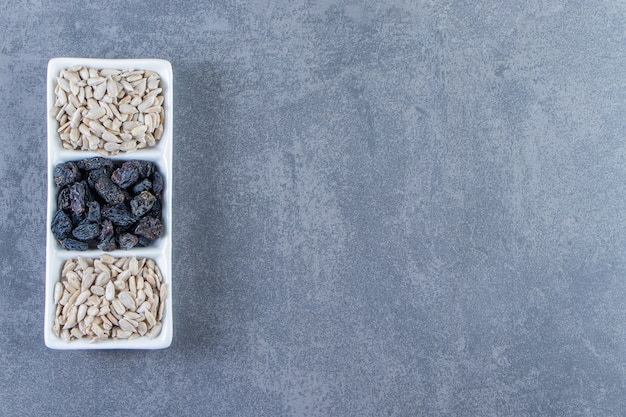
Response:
column 380, row 208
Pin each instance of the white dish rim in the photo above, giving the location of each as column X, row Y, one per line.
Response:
column 161, row 155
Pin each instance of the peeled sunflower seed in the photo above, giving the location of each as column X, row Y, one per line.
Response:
column 95, row 113
column 100, row 312
column 119, row 96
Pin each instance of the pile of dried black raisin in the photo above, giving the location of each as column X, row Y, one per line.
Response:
column 107, row 204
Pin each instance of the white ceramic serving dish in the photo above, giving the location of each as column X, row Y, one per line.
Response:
column 160, row 251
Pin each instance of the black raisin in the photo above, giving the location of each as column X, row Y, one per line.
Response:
column 157, row 183
column 110, row 192
column 127, row 174
column 78, row 197
column 93, row 212
column 107, row 244
column 118, row 214
column 149, row 227
column 61, row 225
column 123, row 229
column 142, row 203
column 66, row 173
column 77, row 218
column 97, row 162
column 155, row 211
column 144, row 185
column 97, row 173
column 72, row 244
column 127, row 240
column 106, row 230
column 146, row 168
column 101, row 203
column 86, row 231
column 63, row 200
column 144, row 241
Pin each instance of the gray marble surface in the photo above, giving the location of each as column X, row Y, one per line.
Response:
column 380, row 208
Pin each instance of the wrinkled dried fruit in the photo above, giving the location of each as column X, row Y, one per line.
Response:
column 66, row 174
column 86, row 231
column 110, row 192
column 144, row 185
column 63, row 200
column 77, row 218
column 97, row 162
column 78, row 197
column 61, row 225
column 107, row 244
column 106, row 230
column 127, row 241
column 98, row 173
column 93, row 212
column 155, row 211
column 146, row 168
column 72, row 244
column 109, row 204
column 119, row 215
column 149, row 227
column 157, row 183
column 144, row 241
column 127, row 174
column 142, row 203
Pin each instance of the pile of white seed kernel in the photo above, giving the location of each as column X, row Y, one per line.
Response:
column 109, row 298
column 108, row 110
